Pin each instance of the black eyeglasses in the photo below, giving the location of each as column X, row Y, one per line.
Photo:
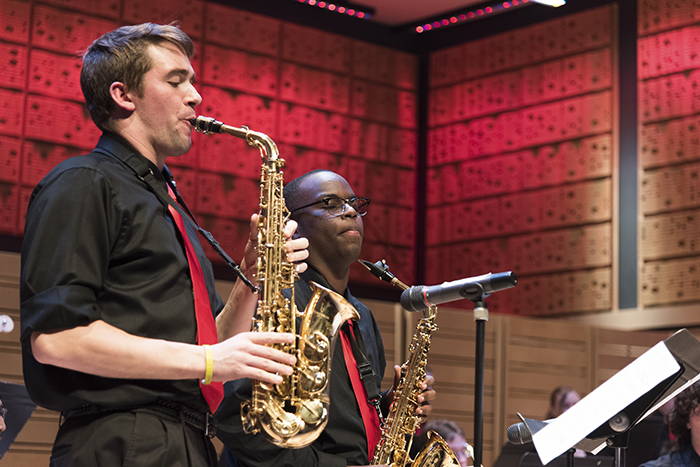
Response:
column 335, row 205
column 3, row 412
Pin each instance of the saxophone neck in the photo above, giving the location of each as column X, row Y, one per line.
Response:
column 430, row 313
column 268, row 148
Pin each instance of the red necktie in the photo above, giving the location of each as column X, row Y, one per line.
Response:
column 369, row 413
column 206, row 326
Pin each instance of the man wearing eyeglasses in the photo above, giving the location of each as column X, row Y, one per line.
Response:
column 329, row 215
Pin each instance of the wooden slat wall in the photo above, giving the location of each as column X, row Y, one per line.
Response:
column 616, row 349
column 539, row 356
column 451, row 359
column 32, row 447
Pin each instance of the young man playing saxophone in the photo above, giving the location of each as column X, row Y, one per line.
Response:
column 114, row 295
column 330, row 215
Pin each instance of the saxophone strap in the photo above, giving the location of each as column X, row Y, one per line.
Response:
column 145, row 174
column 364, row 368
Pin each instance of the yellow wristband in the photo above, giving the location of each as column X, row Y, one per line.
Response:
column 209, row 371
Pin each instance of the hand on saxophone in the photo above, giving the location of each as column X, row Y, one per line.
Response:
column 246, row 355
column 427, row 392
column 295, row 245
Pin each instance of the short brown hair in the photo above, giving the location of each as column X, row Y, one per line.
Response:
column 119, row 56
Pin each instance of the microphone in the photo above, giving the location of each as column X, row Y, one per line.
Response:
column 519, row 433
column 420, row 297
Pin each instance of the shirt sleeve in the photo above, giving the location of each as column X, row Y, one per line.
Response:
column 71, row 226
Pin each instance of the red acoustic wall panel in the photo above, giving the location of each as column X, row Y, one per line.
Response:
column 66, row 31
column 302, row 87
column 306, row 86
column 55, row 75
column 106, row 8
column 9, row 159
column 11, row 112
column 520, row 161
column 234, row 69
column 318, row 49
column 14, row 66
column 58, row 121
column 241, row 29
column 39, row 157
column 231, row 234
column 186, row 12
column 662, row 15
column 15, row 21
column 9, row 202
column 377, row 63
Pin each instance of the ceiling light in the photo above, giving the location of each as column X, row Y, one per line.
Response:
column 343, row 7
column 471, row 15
column 554, row 3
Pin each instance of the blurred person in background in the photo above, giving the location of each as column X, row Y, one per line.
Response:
column 561, row 400
column 684, row 424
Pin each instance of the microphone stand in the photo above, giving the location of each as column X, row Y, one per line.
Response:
column 481, row 315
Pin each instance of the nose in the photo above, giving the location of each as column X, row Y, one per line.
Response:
column 193, row 97
column 348, row 210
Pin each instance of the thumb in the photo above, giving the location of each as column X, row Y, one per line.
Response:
column 397, row 376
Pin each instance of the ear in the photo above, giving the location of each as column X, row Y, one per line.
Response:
column 121, row 97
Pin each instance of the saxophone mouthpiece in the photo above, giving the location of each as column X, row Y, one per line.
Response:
column 381, row 271
column 206, row 125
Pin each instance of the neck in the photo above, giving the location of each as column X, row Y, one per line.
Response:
column 338, row 279
column 125, row 129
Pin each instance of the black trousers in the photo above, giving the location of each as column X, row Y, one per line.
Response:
column 144, row 437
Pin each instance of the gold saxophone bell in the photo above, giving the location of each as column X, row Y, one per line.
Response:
column 291, row 414
column 437, row 453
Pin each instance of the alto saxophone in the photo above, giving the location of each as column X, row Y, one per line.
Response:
column 294, row 412
column 402, row 422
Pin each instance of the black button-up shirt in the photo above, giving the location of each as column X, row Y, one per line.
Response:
column 100, row 244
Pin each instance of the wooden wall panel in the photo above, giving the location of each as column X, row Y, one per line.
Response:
column 671, row 281
column 616, row 349
column 668, row 71
column 32, row 447
column 539, row 356
column 451, row 360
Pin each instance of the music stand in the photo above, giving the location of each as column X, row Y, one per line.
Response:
column 605, row 416
column 19, row 408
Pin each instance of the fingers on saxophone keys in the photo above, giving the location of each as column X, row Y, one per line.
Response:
column 272, row 337
column 270, row 365
column 424, row 409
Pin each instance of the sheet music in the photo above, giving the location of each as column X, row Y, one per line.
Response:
column 608, row 399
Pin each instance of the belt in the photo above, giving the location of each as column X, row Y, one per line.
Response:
column 204, row 422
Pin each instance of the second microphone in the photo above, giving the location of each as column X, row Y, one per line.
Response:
column 420, row 297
